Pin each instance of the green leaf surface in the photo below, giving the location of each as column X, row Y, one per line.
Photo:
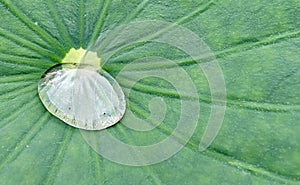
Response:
column 256, row 43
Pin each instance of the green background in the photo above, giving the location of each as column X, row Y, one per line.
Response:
column 256, row 43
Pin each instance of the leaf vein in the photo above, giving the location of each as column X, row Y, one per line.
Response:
column 196, row 12
column 100, row 22
column 136, row 11
column 25, row 43
column 98, row 166
column 81, row 22
column 140, row 158
column 58, row 21
column 57, row 161
column 218, row 155
column 25, row 139
column 28, row 61
column 246, row 104
column 19, row 77
column 23, row 18
column 13, row 116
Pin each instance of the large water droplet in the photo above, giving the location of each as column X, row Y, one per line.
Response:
column 82, row 96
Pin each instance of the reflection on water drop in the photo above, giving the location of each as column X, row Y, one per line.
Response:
column 82, row 96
